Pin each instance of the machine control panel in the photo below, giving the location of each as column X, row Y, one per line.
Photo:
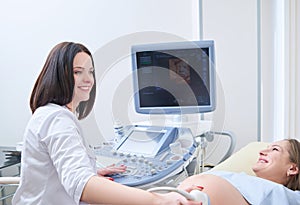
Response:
column 151, row 154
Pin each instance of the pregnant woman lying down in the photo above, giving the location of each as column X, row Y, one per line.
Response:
column 276, row 180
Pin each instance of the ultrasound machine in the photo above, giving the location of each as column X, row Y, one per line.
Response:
column 168, row 78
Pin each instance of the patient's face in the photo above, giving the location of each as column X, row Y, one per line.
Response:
column 273, row 162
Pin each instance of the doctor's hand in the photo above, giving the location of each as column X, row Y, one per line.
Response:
column 112, row 169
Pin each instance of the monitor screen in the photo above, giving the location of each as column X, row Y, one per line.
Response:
column 174, row 78
column 147, row 141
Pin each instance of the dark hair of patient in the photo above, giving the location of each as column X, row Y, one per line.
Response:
column 55, row 84
column 294, row 152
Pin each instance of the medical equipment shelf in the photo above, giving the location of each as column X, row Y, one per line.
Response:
column 9, row 163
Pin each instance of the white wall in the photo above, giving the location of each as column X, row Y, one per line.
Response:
column 280, row 69
column 29, row 29
column 297, row 113
column 268, row 25
column 233, row 26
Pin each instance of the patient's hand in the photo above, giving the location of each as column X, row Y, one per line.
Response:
column 112, row 169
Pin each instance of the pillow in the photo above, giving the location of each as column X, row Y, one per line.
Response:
column 242, row 160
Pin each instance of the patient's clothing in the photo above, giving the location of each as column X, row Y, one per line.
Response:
column 258, row 191
column 56, row 160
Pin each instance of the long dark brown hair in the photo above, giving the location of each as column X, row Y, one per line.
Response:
column 55, row 83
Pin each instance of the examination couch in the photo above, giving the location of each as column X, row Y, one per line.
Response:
column 243, row 159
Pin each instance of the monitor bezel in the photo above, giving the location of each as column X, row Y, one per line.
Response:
column 172, row 46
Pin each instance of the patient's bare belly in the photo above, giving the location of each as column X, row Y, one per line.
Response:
column 220, row 191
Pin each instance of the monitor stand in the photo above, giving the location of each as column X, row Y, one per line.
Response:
column 179, row 119
column 191, row 121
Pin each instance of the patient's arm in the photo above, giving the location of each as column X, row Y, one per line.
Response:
column 219, row 190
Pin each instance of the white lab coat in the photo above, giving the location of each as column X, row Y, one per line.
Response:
column 56, row 160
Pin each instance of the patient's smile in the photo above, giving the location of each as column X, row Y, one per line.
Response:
column 273, row 162
column 261, row 160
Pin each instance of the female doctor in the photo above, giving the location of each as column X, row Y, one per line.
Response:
column 57, row 166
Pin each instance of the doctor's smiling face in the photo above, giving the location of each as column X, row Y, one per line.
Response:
column 83, row 71
column 274, row 163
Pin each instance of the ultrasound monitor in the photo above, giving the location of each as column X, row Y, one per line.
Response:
column 174, row 78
